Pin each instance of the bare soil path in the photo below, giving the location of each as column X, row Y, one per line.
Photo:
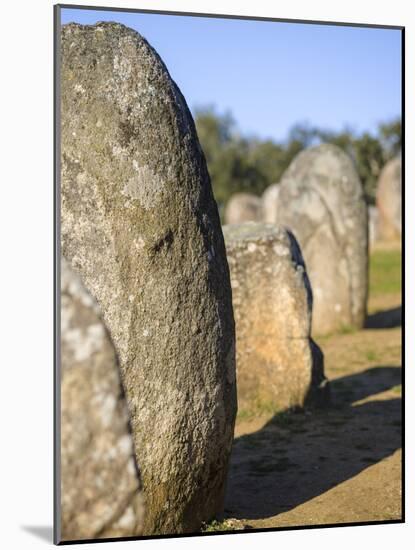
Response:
column 339, row 465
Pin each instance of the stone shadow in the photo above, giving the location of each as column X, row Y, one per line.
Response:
column 298, row 456
column 390, row 318
column 43, row 532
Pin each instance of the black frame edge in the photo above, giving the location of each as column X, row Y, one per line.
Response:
column 227, row 16
column 56, row 279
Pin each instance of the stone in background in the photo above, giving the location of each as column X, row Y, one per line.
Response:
column 321, row 201
column 389, row 201
column 278, row 365
column 270, row 203
column 243, row 207
column 373, row 219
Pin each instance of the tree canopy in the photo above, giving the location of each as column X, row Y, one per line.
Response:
column 242, row 163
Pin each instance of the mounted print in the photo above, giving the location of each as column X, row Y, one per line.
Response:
column 228, row 274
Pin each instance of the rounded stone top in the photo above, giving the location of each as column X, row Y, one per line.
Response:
column 325, row 150
column 391, row 170
column 325, row 164
column 99, row 26
column 252, row 231
column 103, row 36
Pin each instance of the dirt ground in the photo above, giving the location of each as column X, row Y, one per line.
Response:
column 339, row 465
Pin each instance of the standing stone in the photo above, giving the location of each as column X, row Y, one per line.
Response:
column 389, row 201
column 373, row 219
column 270, row 203
column 278, row 365
column 321, row 201
column 140, row 223
column 243, row 207
column 100, row 488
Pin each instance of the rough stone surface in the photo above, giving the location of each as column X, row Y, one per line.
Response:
column 373, row 220
column 243, row 207
column 140, row 223
column 321, row 201
column 270, row 203
column 277, row 363
column 389, row 201
column 100, row 487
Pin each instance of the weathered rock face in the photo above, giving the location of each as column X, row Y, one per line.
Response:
column 243, row 207
column 389, row 199
column 270, row 203
column 140, row 223
column 321, row 201
column 100, row 488
column 277, row 363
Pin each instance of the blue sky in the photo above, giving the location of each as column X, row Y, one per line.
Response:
column 271, row 75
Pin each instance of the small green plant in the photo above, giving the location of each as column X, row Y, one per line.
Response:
column 258, row 408
column 347, row 329
column 371, row 355
column 225, row 525
column 344, row 329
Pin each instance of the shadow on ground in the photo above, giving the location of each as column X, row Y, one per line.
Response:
column 44, row 532
column 298, row 456
column 390, row 318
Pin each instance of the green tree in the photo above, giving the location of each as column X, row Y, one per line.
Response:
column 215, row 131
column 227, row 155
column 237, row 163
column 391, row 138
column 369, row 160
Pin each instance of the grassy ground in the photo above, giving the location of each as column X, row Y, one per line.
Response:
column 343, row 464
column 385, row 272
